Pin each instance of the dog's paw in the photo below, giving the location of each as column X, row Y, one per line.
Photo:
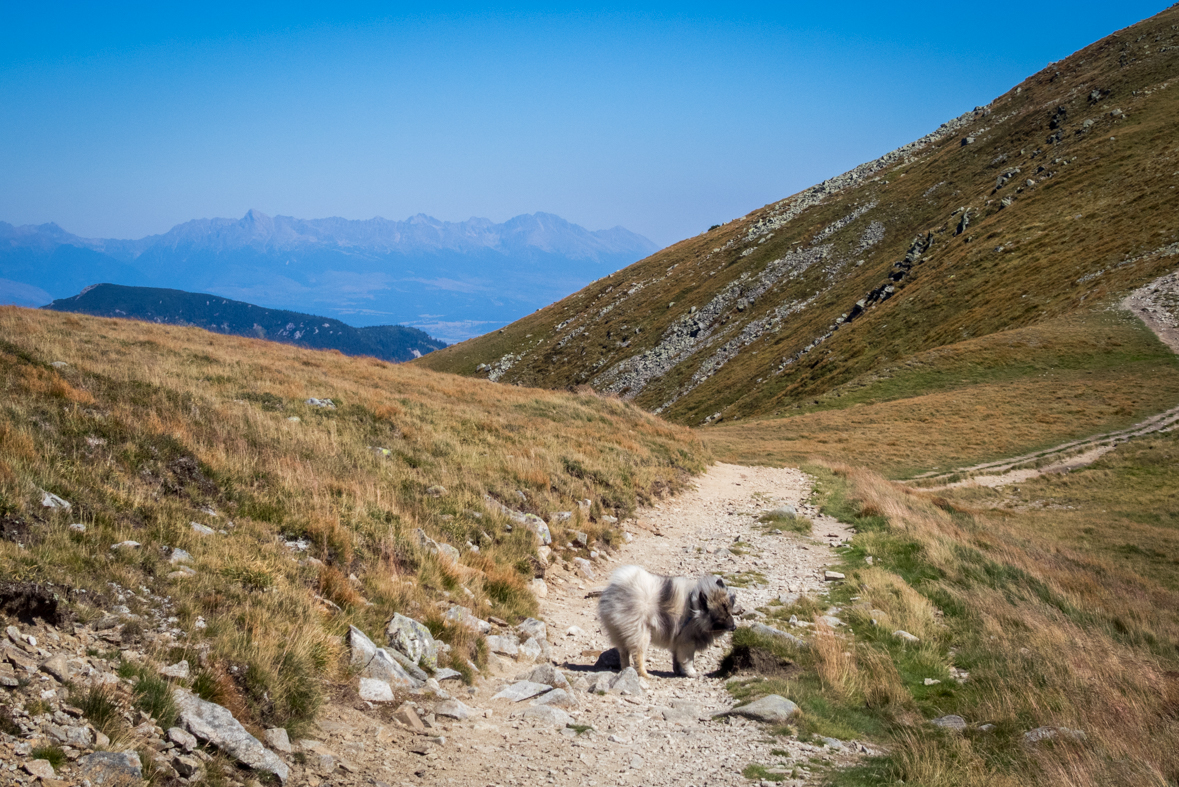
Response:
column 689, row 672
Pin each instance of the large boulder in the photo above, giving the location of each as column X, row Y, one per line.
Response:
column 465, row 617
column 214, row 724
column 414, row 640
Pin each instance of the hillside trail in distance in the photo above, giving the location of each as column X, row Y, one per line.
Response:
column 664, row 738
column 1157, row 305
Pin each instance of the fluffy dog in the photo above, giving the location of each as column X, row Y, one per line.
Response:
column 680, row 614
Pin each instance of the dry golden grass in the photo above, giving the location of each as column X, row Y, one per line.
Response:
column 1051, row 635
column 149, row 424
column 988, row 398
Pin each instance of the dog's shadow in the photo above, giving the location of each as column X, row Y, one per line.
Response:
column 609, row 661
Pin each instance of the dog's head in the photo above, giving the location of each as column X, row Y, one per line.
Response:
column 719, row 604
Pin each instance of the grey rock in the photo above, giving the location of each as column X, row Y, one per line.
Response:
column 56, row 666
column 78, row 737
column 436, row 491
column 50, row 500
column 538, row 527
column 831, row 621
column 531, row 627
column 600, row 684
column 789, row 599
column 950, row 722
column 584, row 567
column 125, row 545
column 504, row 644
column 374, row 690
column 179, row 670
column 446, row 673
column 627, row 682
column 832, row 576
column 78, row 527
column 465, row 617
column 1048, row 733
column 833, row 743
column 581, row 538
column 41, row 769
column 636, row 763
column 773, row 709
column 414, row 640
column 440, row 548
column 522, row 690
column 906, row 636
column 212, row 723
column 549, row 715
column 684, row 715
column 770, row 631
column 557, row 697
column 324, row 403
column 380, row 664
column 185, row 766
column 530, row 650
column 182, row 738
column 111, row 769
column 453, row 709
column 179, row 556
column 200, row 529
column 546, row 674
column 414, row 670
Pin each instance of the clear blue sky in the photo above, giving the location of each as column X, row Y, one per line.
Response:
column 123, row 120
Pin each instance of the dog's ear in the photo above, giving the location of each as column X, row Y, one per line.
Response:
column 720, row 583
column 703, row 602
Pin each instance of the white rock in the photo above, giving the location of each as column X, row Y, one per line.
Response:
column 374, row 690
column 521, row 690
column 202, row 530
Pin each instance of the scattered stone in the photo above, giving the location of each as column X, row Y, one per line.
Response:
column 906, row 636
column 111, row 769
column 179, row 670
column 1048, row 733
column 531, row 627
column 446, row 673
column 627, row 683
column 932, row 681
column 538, row 527
column 538, row 588
column 831, row 621
column 574, row 631
column 440, row 548
column 464, row 616
column 549, row 715
column 546, row 674
column 212, row 723
column 832, row 576
column 453, row 709
column 182, row 738
column 584, row 567
column 581, row 538
column 125, row 545
column 50, row 500
column 185, row 766
column 373, row 690
column 530, row 650
column 773, row 709
column 950, row 722
column 40, row 769
column 414, row 640
column 56, row 666
column 636, row 763
column 504, row 644
column 179, row 556
column 522, row 690
column 380, row 664
column 436, row 491
column 789, row 599
column 202, row 530
column 324, row 403
column 558, row 698
column 78, row 527
column 770, row 631
column 409, row 717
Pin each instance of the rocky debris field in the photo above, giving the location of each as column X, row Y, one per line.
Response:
column 550, row 707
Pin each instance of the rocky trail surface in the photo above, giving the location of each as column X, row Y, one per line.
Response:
column 563, row 716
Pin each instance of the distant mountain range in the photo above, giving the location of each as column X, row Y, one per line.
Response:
column 453, row 279
column 221, row 315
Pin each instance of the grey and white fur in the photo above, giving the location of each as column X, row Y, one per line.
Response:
column 681, row 614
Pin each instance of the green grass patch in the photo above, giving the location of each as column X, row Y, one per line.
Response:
column 785, row 520
column 54, row 754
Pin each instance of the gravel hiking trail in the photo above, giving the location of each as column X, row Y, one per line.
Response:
column 666, row 735
column 1157, row 305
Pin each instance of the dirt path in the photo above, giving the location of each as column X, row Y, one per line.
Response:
column 1157, row 305
column 667, row 736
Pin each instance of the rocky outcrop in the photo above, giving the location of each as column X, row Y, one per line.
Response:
column 215, row 725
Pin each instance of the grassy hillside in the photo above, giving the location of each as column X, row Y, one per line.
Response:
column 996, row 396
column 1056, row 196
column 145, row 429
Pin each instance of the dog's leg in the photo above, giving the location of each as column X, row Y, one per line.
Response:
column 683, row 662
column 641, row 654
column 623, row 659
column 676, row 667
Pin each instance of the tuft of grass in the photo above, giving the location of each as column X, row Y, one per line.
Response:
column 98, row 705
column 755, row 771
column 580, row 729
column 54, row 754
column 781, row 519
